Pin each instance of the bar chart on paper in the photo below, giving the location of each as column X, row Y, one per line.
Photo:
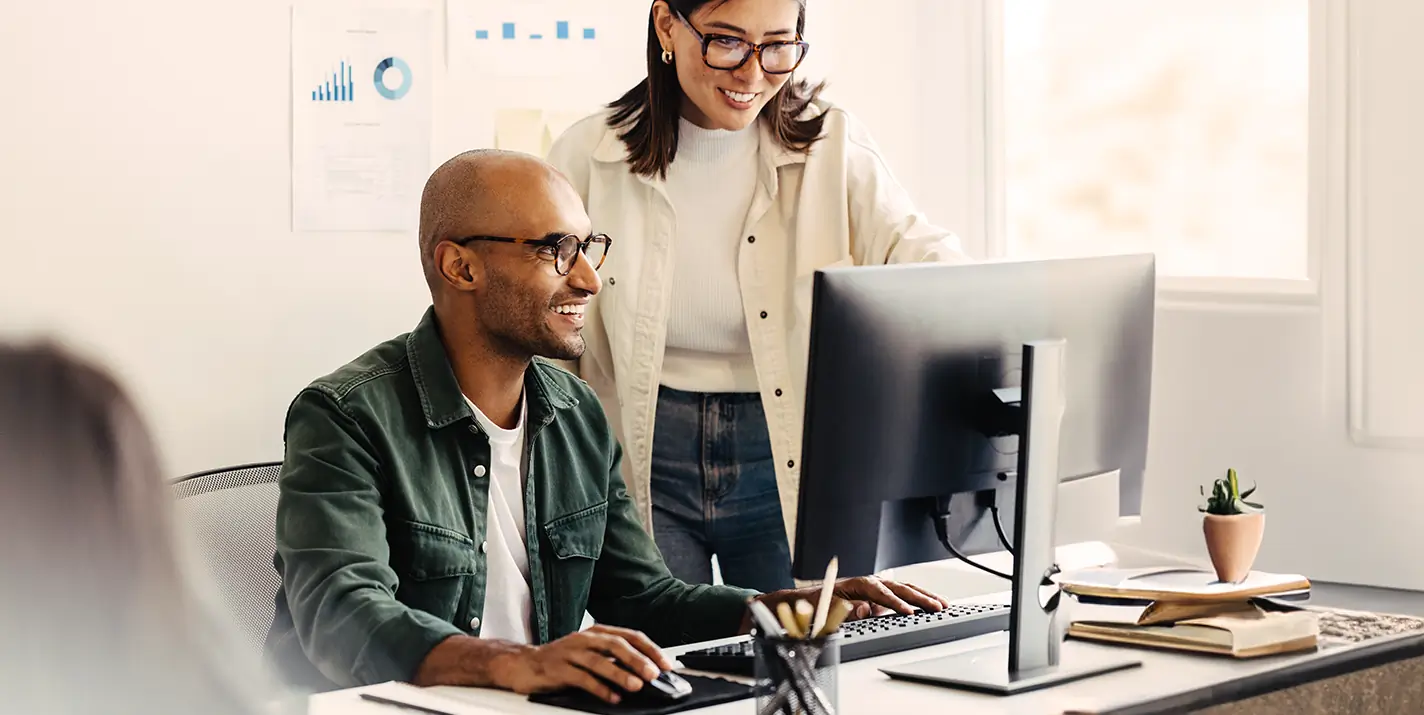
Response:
column 539, row 37
column 336, row 86
column 512, row 31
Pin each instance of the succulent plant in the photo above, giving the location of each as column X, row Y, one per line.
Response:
column 1227, row 499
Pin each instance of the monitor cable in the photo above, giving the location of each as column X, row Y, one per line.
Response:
column 941, row 521
column 999, row 527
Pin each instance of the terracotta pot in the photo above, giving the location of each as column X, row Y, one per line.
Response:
column 1232, row 541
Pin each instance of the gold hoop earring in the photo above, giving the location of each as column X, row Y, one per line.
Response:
column 667, row 57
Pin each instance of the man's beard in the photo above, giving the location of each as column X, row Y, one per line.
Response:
column 521, row 327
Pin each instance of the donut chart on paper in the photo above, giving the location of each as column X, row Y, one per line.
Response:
column 392, row 63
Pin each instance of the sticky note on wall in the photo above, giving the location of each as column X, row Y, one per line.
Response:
column 532, row 131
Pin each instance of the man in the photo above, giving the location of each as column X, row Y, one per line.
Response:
column 450, row 505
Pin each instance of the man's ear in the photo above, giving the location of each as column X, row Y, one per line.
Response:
column 456, row 266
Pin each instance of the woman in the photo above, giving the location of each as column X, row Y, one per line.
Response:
column 726, row 184
column 95, row 613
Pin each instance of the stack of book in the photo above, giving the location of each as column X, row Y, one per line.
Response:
column 1188, row 609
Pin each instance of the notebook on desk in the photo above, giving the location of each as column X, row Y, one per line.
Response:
column 1240, row 629
column 1176, row 583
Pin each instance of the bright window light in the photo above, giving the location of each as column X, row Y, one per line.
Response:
column 1170, row 126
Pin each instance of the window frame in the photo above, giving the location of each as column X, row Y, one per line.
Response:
column 1326, row 161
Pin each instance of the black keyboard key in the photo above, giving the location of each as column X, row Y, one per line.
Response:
column 871, row 637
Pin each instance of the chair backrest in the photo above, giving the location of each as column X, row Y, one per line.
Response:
column 232, row 514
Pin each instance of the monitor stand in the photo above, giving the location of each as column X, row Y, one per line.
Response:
column 1031, row 660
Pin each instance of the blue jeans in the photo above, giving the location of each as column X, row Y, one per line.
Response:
column 714, row 491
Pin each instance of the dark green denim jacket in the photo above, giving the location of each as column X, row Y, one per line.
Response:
column 381, row 519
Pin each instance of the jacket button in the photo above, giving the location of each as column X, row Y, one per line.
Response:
column 790, row 463
column 751, row 239
column 474, row 624
column 778, row 392
column 474, row 429
column 484, row 547
column 480, row 470
column 763, row 314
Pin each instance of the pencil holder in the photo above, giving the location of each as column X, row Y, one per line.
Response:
column 796, row 676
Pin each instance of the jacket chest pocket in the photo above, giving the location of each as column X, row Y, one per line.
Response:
column 575, row 543
column 435, row 566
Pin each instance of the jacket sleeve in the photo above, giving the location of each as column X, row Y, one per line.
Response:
column 885, row 225
column 633, row 588
column 334, row 557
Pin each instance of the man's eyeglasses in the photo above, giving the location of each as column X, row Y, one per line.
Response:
column 563, row 248
column 727, row 52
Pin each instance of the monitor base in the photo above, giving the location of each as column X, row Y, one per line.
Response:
column 987, row 671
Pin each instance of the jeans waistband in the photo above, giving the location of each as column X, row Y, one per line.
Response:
column 699, row 398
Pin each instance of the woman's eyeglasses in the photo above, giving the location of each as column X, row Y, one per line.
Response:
column 726, row 52
column 565, row 248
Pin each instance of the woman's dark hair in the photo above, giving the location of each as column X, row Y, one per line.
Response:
column 648, row 113
column 98, row 612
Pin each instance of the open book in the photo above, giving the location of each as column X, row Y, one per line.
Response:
column 1239, row 629
column 1176, row 583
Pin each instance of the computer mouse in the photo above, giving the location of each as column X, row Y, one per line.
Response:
column 667, row 687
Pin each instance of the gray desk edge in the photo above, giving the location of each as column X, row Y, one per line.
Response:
column 1340, row 660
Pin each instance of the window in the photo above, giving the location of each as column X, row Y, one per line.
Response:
column 1178, row 127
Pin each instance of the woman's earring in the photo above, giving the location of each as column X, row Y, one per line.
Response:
column 667, row 57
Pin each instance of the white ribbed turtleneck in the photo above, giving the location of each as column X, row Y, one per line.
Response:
column 711, row 184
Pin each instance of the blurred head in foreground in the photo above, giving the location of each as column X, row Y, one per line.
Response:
column 97, row 615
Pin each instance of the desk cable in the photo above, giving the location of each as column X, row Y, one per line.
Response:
column 941, row 521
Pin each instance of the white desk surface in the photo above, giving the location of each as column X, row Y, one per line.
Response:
column 862, row 688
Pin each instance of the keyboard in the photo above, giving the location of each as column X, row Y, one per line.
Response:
column 870, row 637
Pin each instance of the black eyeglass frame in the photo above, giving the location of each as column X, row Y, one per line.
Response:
column 708, row 39
column 554, row 241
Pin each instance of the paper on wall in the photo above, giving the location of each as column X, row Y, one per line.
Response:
column 532, row 131
column 545, row 38
column 361, row 115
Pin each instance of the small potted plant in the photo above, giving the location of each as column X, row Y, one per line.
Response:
column 1233, row 528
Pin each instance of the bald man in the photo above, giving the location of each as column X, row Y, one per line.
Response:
column 450, row 505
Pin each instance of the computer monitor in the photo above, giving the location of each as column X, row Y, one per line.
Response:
column 918, row 417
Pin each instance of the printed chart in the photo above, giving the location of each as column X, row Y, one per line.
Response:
column 361, row 115
column 541, row 38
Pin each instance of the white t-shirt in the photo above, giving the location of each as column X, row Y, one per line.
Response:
column 508, row 604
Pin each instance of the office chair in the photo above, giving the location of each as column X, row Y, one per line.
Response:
column 231, row 514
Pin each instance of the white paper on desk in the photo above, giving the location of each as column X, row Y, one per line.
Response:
column 399, row 692
column 1173, row 579
column 361, row 115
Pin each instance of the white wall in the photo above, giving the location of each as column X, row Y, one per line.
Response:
column 145, row 213
column 145, row 202
column 1265, row 387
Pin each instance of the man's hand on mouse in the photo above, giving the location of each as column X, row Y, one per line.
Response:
column 575, row 659
column 868, row 596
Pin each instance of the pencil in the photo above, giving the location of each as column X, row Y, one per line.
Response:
column 840, row 608
column 788, row 620
column 827, row 586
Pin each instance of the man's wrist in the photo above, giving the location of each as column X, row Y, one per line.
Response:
column 466, row 660
column 505, row 662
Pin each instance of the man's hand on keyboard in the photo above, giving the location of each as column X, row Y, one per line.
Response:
column 869, row 596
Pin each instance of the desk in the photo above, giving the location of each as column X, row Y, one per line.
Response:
column 1167, row 682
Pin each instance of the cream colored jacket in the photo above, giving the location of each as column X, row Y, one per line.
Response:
column 839, row 205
